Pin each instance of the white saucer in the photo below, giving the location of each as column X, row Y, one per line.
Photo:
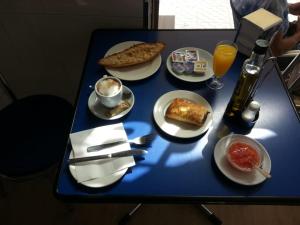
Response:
column 133, row 73
column 100, row 111
column 244, row 178
column 98, row 182
column 177, row 128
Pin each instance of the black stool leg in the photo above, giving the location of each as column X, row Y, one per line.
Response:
column 211, row 216
column 125, row 219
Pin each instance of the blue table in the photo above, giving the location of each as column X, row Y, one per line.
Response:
column 184, row 170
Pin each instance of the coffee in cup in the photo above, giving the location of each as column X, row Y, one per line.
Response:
column 109, row 91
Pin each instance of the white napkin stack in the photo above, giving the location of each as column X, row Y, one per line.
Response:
column 100, row 168
column 252, row 27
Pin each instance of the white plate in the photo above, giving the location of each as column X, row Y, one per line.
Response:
column 177, row 128
column 132, row 73
column 193, row 77
column 244, row 178
column 98, row 182
column 100, row 111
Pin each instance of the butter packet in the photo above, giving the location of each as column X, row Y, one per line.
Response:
column 178, row 57
column 200, row 67
column 191, row 55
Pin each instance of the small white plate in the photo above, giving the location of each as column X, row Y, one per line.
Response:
column 244, row 178
column 177, row 128
column 100, row 111
column 98, row 182
column 194, row 77
column 132, row 73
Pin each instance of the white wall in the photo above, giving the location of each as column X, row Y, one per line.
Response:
column 43, row 43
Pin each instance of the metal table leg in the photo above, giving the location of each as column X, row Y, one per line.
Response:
column 125, row 219
column 210, row 215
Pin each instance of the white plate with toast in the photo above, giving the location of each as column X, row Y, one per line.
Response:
column 192, row 77
column 132, row 73
column 178, row 128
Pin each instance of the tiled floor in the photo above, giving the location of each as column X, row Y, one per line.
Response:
column 198, row 14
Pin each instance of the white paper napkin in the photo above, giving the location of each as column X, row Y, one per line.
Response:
column 100, row 135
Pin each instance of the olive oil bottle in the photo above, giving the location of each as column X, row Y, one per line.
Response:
column 248, row 79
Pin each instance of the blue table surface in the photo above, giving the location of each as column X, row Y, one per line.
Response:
column 184, row 170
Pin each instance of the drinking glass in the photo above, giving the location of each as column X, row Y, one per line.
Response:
column 224, row 56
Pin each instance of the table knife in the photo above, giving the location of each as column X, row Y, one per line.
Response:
column 105, row 145
column 134, row 152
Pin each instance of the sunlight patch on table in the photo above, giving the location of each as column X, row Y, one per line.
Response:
column 156, row 156
column 157, row 143
column 260, row 133
column 132, row 132
column 177, row 159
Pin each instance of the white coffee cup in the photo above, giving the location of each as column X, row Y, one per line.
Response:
column 109, row 91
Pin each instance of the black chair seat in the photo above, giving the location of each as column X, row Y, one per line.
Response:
column 34, row 133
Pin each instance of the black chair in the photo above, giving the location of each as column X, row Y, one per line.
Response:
column 34, row 132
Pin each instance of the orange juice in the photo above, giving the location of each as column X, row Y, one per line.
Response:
column 224, row 56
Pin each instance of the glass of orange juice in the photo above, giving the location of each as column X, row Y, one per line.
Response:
column 224, row 56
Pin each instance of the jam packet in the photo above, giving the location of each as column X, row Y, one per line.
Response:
column 178, row 67
column 188, row 67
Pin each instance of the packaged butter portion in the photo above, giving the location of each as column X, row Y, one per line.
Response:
column 200, row 67
column 178, row 57
column 191, row 55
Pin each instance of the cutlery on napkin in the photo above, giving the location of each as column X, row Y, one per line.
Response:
column 126, row 153
column 96, row 136
column 144, row 140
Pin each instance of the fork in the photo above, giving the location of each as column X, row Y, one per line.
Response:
column 138, row 141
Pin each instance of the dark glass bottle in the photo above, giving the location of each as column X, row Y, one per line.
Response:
column 247, row 82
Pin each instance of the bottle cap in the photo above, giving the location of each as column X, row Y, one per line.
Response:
column 249, row 114
column 261, row 46
column 254, row 106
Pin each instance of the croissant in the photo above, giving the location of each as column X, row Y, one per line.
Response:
column 187, row 111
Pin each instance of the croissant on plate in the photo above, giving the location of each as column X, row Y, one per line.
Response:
column 187, row 111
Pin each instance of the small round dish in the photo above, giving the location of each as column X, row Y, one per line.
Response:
column 101, row 111
column 245, row 178
column 132, row 73
column 177, row 128
column 98, row 182
column 244, row 156
column 204, row 55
